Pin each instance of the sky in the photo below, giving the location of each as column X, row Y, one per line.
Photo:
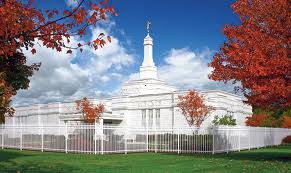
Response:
column 186, row 35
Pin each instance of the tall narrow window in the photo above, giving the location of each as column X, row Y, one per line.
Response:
column 158, row 117
column 143, row 118
column 150, row 118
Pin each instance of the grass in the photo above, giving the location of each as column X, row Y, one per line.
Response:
column 276, row 159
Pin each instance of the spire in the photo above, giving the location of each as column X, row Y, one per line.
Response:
column 148, row 68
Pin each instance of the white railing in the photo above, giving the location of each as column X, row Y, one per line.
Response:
column 97, row 139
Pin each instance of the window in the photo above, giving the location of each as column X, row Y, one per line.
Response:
column 151, row 118
column 158, row 117
column 230, row 113
column 143, row 118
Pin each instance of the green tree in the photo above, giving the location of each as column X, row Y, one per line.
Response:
column 14, row 75
column 224, row 120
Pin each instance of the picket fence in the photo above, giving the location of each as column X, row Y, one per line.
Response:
column 97, row 139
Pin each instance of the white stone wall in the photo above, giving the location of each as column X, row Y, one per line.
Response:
column 129, row 107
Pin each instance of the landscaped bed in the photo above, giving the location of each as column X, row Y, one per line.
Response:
column 275, row 159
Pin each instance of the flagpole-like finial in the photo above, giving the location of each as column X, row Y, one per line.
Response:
column 148, row 25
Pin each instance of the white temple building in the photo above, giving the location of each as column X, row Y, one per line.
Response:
column 147, row 102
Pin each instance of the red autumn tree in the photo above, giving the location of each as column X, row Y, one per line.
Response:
column 193, row 108
column 90, row 112
column 257, row 53
column 256, row 120
column 23, row 26
column 286, row 122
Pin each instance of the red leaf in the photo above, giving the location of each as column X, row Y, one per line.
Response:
column 81, row 32
column 81, row 50
column 33, row 51
column 95, row 6
column 66, row 12
column 103, row 2
column 109, row 38
column 69, row 51
column 21, row 39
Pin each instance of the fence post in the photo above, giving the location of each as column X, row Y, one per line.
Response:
column 249, row 138
column 178, row 141
column 155, row 140
column 265, row 137
column 95, row 136
column 42, row 138
column 20, row 136
column 258, row 130
column 125, row 140
column 2, row 140
column 102, row 134
column 227, row 137
column 213, row 139
column 66, row 137
column 239, row 139
column 147, row 140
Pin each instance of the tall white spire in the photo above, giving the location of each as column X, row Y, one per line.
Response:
column 148, row 70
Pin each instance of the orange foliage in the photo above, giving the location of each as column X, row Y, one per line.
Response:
column 193, row 108
column 286, row 122
column 22, row 25
column 90, row 112
column 257, row 53
column 256, row 120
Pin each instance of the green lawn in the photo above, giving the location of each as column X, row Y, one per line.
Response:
column 277, row 159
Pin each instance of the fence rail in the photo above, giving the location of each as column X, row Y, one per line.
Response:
column 96, row 139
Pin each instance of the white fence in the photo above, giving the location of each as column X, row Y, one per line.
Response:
column 105, row 139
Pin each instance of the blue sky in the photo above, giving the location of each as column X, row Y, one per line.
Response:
column 185, row 31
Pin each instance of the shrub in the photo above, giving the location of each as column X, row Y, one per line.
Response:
column 286, row 140
column 224, row 120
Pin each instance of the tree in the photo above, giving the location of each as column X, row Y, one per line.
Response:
column 193, row 108
column 263, row 120
column 23, row 26
column 256, row 120
column 286, row 122
column 257, row 53
column 269, row 118
column 14, row 75
column 224, row 120
column 90, row 113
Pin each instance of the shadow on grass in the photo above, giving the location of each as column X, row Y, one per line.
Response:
column 35, row 168
column 257, row 156
column 7, row 155
column 12, row 161
column 264, row 154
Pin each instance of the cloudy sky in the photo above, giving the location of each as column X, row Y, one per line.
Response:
column 186, row 34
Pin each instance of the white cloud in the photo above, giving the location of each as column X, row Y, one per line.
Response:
column 72, row 3
column 187, row 69
column 65, row 76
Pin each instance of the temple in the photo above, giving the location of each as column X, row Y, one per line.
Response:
column 146, row 102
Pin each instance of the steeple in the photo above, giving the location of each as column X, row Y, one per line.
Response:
column 148, row 70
